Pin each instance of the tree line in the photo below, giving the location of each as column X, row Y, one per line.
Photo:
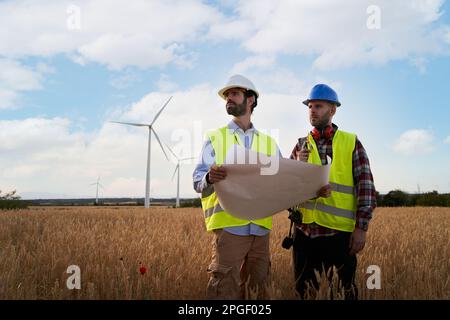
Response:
column 399, row 198
column 10, row 200
column 394, row 198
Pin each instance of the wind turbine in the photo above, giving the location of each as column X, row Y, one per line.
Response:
column 177, row 170
column 150, row 130
column 98, row 184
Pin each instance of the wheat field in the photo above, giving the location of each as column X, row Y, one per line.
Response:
column 111, row 244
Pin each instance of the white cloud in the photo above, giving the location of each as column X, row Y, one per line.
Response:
column 47, row 155
column 281, row 81
column 253, row 62
column 33, row 134
column 230, row 29
column 116, row 33
column 447, row 140
column 127, row 186
column 420, row 64
column 43, row 68
column 146, row 34
column 16, row 78
column 114, row 50
column 8, row 98
column 164, row 84
column 415, row 142
column 335, row 33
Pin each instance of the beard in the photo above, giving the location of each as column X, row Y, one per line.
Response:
column 237, row 110
column 320, row 123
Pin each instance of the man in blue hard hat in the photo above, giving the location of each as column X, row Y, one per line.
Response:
column 332, row 229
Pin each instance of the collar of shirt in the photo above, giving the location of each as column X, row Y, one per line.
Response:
column 234, row 127
column 326, row 133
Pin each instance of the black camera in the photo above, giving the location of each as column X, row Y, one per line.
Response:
column 296, row 217
column 287, row 243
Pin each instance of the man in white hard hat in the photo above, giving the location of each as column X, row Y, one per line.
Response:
column 240, row 247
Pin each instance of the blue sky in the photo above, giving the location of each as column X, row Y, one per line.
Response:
column 68, row 68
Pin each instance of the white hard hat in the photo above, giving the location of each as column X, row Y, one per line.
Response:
column 238, row 81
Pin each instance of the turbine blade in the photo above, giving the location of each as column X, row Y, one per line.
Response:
column 187, row 158
column 173, row 153
column 159, row 112
column 131, row 124
column 176, row 168
column 160, row 144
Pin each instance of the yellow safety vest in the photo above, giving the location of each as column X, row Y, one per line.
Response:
column 339, row 210
column 222, row 140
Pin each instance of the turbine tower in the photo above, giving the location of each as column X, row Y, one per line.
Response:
column 177, row 170
column 97, row 184
column 150, row 130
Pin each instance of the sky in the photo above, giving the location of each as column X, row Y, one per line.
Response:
column 68, row 68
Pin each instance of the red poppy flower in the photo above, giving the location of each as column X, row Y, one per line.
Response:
column 142, row 270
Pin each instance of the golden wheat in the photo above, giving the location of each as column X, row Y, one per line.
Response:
column 410, row 245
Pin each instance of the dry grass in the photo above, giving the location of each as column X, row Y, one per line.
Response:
column 410, row 245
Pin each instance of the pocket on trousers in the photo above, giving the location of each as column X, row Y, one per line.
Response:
column 220, row 233
column 221, row 284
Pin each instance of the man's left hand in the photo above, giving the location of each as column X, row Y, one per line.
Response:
column 357, row 241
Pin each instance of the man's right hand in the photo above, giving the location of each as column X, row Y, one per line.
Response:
column 216, row 174
column 303, row 155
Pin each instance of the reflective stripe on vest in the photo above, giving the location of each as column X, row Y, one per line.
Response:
column 222, row 140
column 339, row 210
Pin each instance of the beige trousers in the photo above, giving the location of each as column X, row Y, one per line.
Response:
column 240, row 265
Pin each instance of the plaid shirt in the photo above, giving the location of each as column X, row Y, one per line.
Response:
column 362, row 176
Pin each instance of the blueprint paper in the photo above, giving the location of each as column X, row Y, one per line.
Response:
column 258, row 186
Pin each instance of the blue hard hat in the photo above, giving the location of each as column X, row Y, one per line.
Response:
column 323, row 92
